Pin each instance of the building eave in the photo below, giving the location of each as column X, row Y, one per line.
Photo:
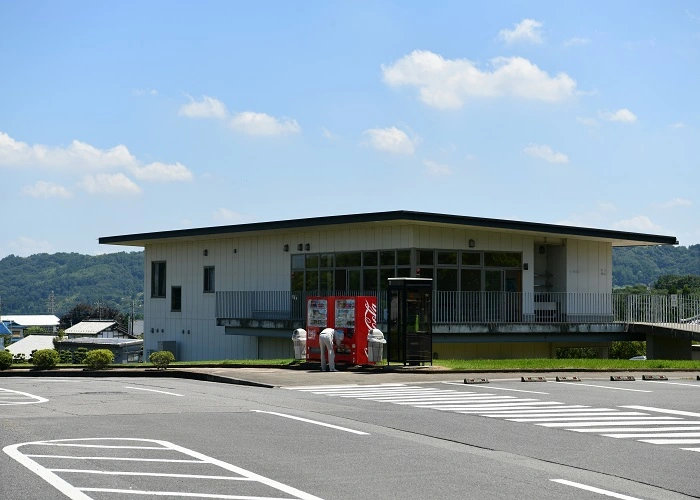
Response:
column 538, row 230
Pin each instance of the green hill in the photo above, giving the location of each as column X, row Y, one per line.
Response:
column 116, row 279
column 26, row 283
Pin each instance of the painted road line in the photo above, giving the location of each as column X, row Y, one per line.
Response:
column 658, row 421
column 594, row 489
column 599, row 418
column 637, row 429
column 604, row 387
column 691, row 449
column 154, row 390
column 332, row 387
column 315, row 422
column 656, row 435
column 663, row 410
column 73, row 492
column 148, row 474
column 671, row 441
column 697, row 386
column 563, row 414
column 10, row 393
column 451, row 400
column 498, row 388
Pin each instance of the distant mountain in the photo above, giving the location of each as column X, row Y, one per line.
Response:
column 644, row 265
column 27, row 283
column 116, row 279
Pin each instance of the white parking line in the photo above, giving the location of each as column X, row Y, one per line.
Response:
column 7, row 402
column 697, row 386
column 490, row 387
column 604, row 387
column 663, row 410
column 52, row 477
column 315, row 422
column 594, row 489
column 154, row 390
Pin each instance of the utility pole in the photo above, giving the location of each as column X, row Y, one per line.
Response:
column 52, row 303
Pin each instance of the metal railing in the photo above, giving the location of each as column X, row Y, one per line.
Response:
column 487, row 307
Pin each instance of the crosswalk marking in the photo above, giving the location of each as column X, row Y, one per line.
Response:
column 641, row 424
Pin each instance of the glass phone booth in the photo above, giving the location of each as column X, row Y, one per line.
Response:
column 410, row 321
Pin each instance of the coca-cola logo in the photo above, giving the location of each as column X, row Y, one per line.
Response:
column 370, row 315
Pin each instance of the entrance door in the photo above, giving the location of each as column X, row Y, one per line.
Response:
column 502, row 290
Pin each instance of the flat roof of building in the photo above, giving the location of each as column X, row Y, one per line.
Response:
column 617, row 238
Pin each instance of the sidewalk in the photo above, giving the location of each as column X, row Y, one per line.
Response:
column 310, row 374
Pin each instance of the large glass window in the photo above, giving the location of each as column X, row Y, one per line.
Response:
column 502, row 259
column 158, row 279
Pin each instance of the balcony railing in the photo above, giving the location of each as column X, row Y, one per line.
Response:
column 487, row 307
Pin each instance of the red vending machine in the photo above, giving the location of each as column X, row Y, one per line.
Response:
column 354, row 317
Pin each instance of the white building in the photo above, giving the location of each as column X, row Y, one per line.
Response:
column 236, row 292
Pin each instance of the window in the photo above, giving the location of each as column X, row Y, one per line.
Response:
column 208, row 279
column 176, row 298
column 158, row 279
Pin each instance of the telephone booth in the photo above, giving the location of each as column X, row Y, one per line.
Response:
column 410, row 321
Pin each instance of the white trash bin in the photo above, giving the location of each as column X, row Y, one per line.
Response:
column 299, row 339
column 375, row 345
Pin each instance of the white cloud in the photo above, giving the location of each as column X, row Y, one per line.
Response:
column 577, row 41
column 675, row 202
column 638, row 224
column 527, row 30
column 262, row 124
column 589, row 122
column 391, row 139
column 623, row 115
column 42, row 189
column 164, row 172
column 208, row 107
column 678, row 125
column 25, row 246
column 446, row 83
column 78, row 154
column 110, row 184
column 227, row 216
column 545, row 153
column 327, row 133
column 435, row 168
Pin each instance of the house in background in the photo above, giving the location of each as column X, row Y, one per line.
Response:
column 31, row 343
column 502, row 288
column 19, row 323
column 106, row 329
column 125, row 350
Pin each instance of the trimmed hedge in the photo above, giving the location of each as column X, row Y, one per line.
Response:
column 161, row 359
column 5, row 360
column 45, row 359
column 99, row 359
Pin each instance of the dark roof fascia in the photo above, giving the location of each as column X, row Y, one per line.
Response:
column 396, row 215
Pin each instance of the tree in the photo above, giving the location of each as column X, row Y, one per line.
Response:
column 84, row 311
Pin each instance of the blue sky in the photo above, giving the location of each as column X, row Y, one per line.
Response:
column 128, row 117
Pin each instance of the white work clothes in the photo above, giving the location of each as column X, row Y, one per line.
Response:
column 325, row 342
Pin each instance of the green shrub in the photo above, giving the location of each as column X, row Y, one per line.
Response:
column 45, row 359
column 577, row 353
column 99, row 359
column 79, row 355
column 66, row 356
column 5, row 360
column 161, row 359
column 627, row 349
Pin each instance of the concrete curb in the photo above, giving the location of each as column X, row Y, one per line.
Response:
column 147, row 373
